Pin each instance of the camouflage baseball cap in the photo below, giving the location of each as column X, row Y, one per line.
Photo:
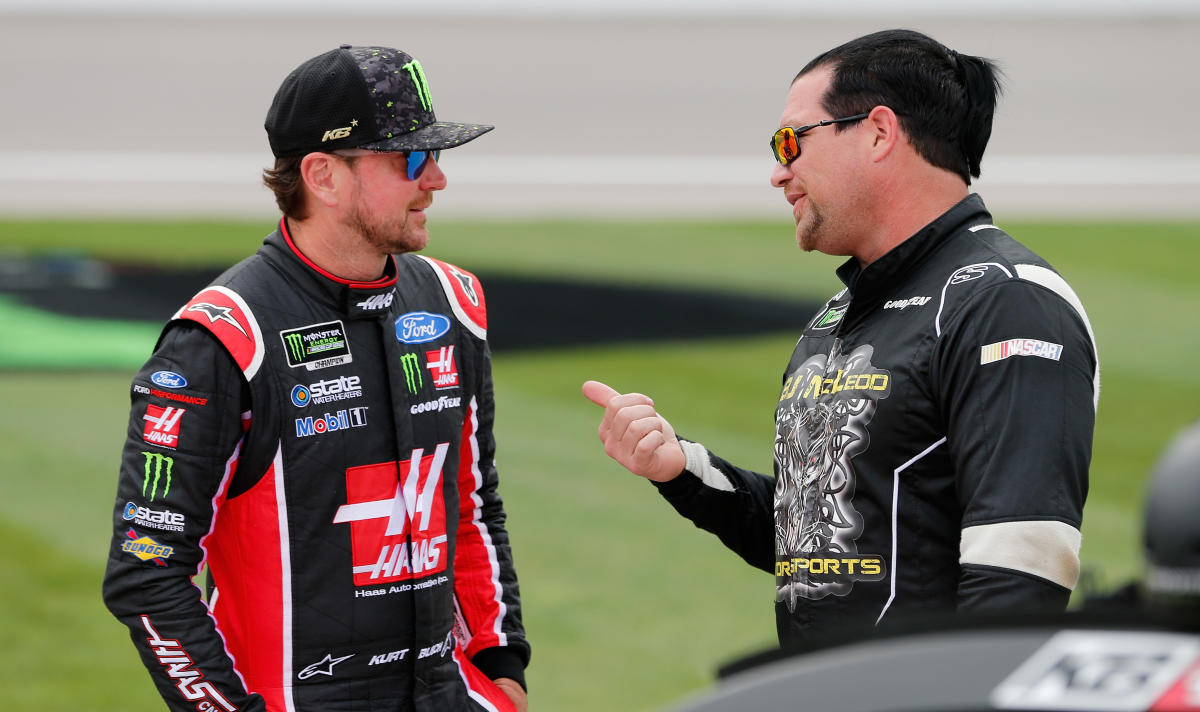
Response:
column 360, row 97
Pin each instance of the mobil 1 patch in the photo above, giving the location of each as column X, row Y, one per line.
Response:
column 316, row 345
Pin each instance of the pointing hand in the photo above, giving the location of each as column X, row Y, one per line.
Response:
column 635, row 435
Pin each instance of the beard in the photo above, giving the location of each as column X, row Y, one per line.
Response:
column 811, row 229
column 387, row 236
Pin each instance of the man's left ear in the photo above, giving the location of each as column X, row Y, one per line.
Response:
column 885, row 131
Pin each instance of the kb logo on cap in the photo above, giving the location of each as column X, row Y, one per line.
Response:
column 335, row 134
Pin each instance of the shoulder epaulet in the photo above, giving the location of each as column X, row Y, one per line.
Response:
column 962, row 275
column 464, row 293
column 227, row 316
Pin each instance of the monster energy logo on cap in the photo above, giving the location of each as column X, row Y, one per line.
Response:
column 412, row 372
column 159, row 466
column 418, row 76
column 316, row 345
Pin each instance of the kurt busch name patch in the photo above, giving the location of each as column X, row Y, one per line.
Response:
column 316, row 346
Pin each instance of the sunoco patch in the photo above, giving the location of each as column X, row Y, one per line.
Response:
column 316, row 346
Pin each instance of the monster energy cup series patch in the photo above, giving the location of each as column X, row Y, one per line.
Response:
column 316, row 346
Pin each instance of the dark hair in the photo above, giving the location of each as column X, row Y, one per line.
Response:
column 287, row 184
column 944, row 100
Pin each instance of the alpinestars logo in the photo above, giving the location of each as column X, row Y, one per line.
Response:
column 441, row 363
column 322, row 667
column 162, row 425
column 468, row 285
column 177, row 663
column 821, row 424
column 216, row 313
column 386, row 513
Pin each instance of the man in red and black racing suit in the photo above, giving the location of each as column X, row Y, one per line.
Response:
column 325, row 446
column 350, row 522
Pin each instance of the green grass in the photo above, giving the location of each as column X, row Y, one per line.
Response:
column 628, row 606
column 42, row 340
column 747, row 255
column 61, row 648
column 744, row 255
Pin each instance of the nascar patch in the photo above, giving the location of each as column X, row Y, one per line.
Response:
column 1019, row 347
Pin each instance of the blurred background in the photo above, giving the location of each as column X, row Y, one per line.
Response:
column 623, row 213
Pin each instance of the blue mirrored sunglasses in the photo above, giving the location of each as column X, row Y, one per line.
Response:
column 416, row 160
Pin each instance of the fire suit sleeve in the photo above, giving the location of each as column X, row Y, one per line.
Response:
column 485, row 580
column 735, row 504
column 185, row 428
column 1016, row 372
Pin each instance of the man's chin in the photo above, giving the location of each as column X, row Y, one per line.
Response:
column 804, row 239
column 414, row 241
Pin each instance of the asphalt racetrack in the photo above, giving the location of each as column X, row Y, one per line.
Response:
column 653, row 115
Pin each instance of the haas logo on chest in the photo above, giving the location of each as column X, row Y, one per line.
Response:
column 397, row 517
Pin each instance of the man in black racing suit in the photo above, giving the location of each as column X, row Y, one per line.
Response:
column 316, row 427
column 934, row 426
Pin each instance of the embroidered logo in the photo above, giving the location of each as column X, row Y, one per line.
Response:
column 1019, row 347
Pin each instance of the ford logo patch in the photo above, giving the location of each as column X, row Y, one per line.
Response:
column 419, row 327
column 168, row 379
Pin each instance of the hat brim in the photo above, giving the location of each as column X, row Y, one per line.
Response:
column 437, row 136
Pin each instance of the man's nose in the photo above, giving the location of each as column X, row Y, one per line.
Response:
column 781, row 174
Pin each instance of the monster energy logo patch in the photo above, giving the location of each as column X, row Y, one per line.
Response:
column 157, row 470
column 418, row 77
column 412, row 372
column 316, row 346
column 831, row 317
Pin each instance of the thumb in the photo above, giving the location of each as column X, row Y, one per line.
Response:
column 599, row 393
